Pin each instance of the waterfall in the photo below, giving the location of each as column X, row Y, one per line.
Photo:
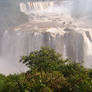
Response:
column 32, row 6
column 88, row 48
column 27, row 26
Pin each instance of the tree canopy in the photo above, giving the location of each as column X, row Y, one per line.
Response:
column 48, row 72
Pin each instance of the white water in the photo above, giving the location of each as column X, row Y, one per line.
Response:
column 30, row 7
column 50, row 24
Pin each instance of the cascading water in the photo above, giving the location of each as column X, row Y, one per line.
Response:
column 30, row 7
column 26, row 25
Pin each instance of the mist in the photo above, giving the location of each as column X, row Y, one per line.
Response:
column 10, row 15
column 82, row 8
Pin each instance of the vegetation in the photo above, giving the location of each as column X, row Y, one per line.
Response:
column 48, row 72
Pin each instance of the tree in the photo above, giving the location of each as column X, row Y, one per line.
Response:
column 43, row 66
column 48, row 69
column 45, row 60
column 2, row 82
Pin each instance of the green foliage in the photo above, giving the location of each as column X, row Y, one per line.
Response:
column 2, row 82
column 46, row 59
column 48, row 72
